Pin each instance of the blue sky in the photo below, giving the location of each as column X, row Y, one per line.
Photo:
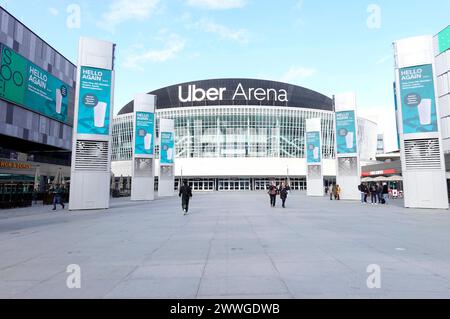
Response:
column 328, row 46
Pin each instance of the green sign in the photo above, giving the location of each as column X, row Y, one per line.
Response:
column 26, row 84
column 144, row 136
column 444, row 40
column 346, row 132
column 167, row 148
column 94, row 105
column 418, row 99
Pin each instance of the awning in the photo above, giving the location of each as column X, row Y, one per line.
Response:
column 395, row 178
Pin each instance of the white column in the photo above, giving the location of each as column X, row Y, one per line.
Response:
column 166, row 182
column 91, row 147
column 143, row 164
column 313, row 152
column 348, row 170
column 423, row 165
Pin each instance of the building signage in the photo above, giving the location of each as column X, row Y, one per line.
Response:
column 191, row 93
column 94, row 105
column 26, row 84
column 378, row 173
column 167, row 152
column 144, row 136
column 313, row 147
column 13, row 165
column 346, row 138
column 418, row 99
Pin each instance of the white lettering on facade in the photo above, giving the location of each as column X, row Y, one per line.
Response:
column 194, row 94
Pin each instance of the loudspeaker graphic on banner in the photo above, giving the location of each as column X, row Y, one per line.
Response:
column 316, row 153
column 100, row 114
column 349, row 139
column 170, row 154
column 148, row 141
column 58, row 101
column 424, row 109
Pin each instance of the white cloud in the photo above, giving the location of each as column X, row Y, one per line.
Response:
column 123, row 10
column 297, row 73
column 299, row 4
column 239, row 35
column 53, row 11
column 217, row 4
column 174, row 45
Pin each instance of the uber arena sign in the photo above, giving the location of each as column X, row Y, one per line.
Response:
column 193, row 94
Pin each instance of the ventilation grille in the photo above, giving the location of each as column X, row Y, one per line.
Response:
column 91, row 156
column 422, row 154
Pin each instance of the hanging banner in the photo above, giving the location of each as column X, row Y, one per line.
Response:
column 346, row 132
column 144, row 137
column 313, row 153
column 167, row 152
column 418, row 99
column 26, row 84
column 95, row 101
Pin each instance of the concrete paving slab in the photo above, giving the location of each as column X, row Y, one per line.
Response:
column 231, row 245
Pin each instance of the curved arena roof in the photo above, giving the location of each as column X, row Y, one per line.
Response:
column 236, row 92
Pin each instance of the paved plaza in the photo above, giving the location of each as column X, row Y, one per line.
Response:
column 232, row 245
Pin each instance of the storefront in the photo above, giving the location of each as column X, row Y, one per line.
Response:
column 23, row 182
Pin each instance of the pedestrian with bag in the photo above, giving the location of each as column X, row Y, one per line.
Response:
column 284, row 191
column 273, row 194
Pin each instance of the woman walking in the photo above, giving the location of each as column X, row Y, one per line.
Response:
column 273, row 194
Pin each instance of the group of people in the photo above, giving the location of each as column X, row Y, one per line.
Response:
column 282, row 190
column 334, row 190
column 378, row 193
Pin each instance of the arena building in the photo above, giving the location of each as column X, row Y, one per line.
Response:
column 238, row 134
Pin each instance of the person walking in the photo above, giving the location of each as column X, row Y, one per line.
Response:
column 273, row 194
column 338, row 192
column 57, row 191
column 361, row 190
column 373, row 194
column 284, row 191
column 333, row 191
column 185, row 194
column 385, row 193
column 380, row 193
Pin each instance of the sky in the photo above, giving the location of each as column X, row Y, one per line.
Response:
column 325, row 45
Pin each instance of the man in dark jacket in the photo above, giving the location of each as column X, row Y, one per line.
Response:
column 185, row 194
column 284, row 191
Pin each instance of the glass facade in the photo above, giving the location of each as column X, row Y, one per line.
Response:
column 232, row 131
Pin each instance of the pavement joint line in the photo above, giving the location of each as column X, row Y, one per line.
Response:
column 207, row 256
column 344, row 232
column 270, row 258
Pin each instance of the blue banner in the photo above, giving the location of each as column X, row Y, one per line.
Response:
column 94, row 105
column 418, row 99
column 313, row 151
column 167, row 152
column 145, row 131
column 346, row 138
